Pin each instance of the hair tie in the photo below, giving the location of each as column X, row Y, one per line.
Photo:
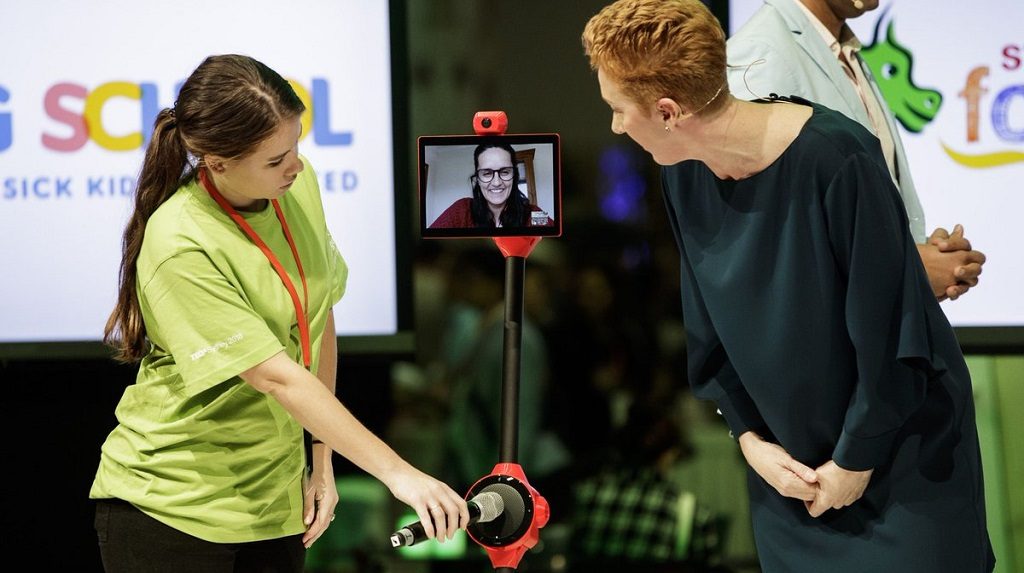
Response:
column 172, row 120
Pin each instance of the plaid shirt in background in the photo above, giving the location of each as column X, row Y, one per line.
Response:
column 633, row 514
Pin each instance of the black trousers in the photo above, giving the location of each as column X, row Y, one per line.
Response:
column 131, row 541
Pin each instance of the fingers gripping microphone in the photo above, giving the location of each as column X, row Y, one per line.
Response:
column 484, row 507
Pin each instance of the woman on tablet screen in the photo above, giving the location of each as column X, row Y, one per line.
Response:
column 497, row 200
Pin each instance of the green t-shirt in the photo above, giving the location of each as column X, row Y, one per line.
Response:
column 195, row 446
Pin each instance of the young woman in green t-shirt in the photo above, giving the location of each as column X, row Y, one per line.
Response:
column 227, row 285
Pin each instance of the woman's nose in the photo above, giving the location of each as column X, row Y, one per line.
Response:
column 297, row 166
column 616, row 125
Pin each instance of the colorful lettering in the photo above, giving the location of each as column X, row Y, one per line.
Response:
column 88, row 123
column 972, row 92
column 75, row 121
column 1001, row 114
column 1012, row 57
column 93, row 115
column 6, row 129
column 322, row 133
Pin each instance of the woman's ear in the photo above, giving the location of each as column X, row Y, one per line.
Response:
column 214, row 162
column 669, row 110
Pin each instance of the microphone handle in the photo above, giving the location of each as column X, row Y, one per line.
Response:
column 409, row 535
column 413, row 533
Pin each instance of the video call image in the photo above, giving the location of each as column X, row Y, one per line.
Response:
column 481, row 186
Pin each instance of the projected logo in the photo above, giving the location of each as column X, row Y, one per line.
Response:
column 85, row 115
column 974, row 92
column 914, row 107
column 117, row 117
column 891, row 64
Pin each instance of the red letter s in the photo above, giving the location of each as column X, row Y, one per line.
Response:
column 79, row 131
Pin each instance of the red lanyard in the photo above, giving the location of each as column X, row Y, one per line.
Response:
column 300, row 315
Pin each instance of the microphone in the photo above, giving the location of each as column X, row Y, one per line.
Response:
column 485, row 507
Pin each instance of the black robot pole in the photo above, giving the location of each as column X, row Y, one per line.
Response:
column 515, row 274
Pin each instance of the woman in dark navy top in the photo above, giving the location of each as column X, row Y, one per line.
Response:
column 809, row 316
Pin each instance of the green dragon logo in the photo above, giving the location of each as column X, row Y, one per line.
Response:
column 891, row 64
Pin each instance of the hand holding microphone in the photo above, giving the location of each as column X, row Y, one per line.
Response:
column 484, row 507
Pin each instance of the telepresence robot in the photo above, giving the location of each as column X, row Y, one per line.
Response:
column 507, row 512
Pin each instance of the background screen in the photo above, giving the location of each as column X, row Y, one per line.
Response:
column 77, row 108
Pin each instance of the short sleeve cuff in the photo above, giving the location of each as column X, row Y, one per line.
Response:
column 861, row 454
column 198, row 378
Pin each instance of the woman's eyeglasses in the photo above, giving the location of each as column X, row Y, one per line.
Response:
column 485, row 175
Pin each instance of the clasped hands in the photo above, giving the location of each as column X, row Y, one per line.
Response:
column 953, row 266
column 827, row 487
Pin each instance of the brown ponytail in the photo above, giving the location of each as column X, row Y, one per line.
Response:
column 162, row 172
column 227, row 107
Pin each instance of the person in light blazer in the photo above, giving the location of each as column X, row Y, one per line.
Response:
column 805, row 48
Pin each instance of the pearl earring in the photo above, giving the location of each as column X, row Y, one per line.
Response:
column 858, row 4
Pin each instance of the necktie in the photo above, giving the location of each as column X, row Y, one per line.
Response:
column 854, row 69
